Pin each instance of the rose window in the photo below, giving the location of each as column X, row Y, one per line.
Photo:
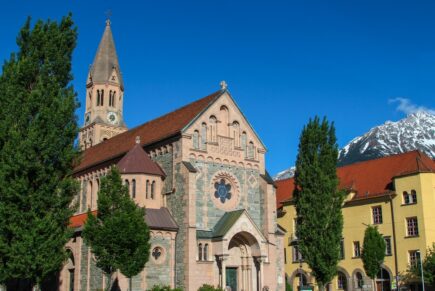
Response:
column 222, row 191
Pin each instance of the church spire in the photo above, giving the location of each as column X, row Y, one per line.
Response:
column 106, row 61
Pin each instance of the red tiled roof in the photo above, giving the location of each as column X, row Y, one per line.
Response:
column 137, row 161
column 79, row 220
column 153, row 131
column 369, row 178
column 155, row 218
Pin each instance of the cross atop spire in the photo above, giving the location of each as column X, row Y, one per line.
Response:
column 108, row 15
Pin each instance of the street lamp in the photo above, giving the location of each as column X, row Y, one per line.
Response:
column 421, row 269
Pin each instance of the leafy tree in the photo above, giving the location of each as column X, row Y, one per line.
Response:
column 37, row 132
column 414, row 272
column 373, row 252
column 207, row 287
column 318, row 202
column 118, row 234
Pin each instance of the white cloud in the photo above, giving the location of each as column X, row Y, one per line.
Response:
column 406, row 106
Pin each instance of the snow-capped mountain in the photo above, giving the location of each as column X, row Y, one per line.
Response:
column 415, row 132
column 285, row 174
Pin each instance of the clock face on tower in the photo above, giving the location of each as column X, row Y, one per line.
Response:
column 112, row 118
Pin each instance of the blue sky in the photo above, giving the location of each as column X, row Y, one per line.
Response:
column 284, row 61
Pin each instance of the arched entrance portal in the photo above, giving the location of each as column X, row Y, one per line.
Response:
column 243, row 268
column 383, row 280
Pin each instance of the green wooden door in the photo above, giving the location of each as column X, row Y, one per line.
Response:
column 231, row 274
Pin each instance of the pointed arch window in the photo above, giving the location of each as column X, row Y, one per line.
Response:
column 112, row 98
column 133, row 188
column 224, row 125
column 102, row 97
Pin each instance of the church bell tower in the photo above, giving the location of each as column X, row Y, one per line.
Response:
column 104, row 95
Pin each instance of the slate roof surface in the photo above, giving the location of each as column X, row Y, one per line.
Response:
column 106, row 59
column 155, row 218
column 153, row 131
column 137, row 161
column 373, row 178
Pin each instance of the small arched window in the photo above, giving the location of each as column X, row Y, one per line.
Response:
column 147, row 189
column 127, row 183
column 251, row 150
column 102, row 97
column 91, row 194
column 213, row 133
column 206, row 252
column 153, row 189
column 203, row 136
column 341, row 281
column 98, row 97
column 243, row 142
column 414, row 196
column 195, row 139
column 405, row 197
column 224, row 125
column 97, row 187
column 236, row 133
column 359, row 280
column 133, row 188
column 200, row 252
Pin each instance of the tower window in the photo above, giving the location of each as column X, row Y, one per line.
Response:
column 133, row 188
column 200, row 252
column 102, row 97
column 153, row 189
column 112, row 98
column 147, row 189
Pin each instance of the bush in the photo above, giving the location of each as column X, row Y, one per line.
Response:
column 163, row 288
column 288, row 287
column 207, row 287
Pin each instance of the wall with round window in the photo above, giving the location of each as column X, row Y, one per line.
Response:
column 225, row 191
column 158, row 254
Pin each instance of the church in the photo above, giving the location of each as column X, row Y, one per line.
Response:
column 200, row 173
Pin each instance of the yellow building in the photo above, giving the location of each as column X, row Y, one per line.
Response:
column 397, row 194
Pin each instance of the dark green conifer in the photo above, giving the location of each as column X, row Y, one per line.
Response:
column 318, row 201
column 37, row 132
column 118, row 234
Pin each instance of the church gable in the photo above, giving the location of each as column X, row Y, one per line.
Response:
column 222, row 133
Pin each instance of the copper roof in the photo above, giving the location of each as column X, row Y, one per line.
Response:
column 137, row 161
column 153, row 131
column 371, row 178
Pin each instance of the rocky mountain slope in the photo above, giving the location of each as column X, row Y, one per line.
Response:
column 415, row 132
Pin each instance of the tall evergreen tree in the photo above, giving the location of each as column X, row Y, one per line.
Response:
column 318, row 201
column 118, row 234
column 37, row 132
column 373, row 252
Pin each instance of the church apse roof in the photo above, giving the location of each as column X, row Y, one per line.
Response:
column 137, row 161
column 161, row 128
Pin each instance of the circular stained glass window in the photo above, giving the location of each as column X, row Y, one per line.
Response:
column 225, row 191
